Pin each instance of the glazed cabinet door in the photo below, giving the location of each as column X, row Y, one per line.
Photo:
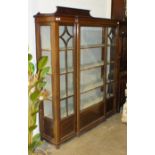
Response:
column 111, row 72
column 46, row 109
column 67, row 82
column 97, row 74
column 92, row 75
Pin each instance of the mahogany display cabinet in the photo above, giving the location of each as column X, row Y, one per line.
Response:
column 82, row 82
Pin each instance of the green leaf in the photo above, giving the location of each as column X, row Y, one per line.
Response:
column 41, row 85
column 32, row 127
column 35, row 112
column 42, row 62
column 35, row 143
column 30, row 68
column 44, row 71
column 34, row 95
column 29, row 57
column 36, row 137
column 31, row 147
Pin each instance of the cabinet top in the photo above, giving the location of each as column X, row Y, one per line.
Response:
column 65, row 11
column 72, row 15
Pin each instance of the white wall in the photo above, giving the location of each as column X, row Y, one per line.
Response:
column 98, row 8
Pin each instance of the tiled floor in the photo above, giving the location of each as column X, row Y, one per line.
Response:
column 108, row 138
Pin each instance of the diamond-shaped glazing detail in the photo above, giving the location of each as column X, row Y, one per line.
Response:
column 111, row 35
column 65, row 35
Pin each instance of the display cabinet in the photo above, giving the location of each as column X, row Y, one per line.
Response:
column 82, row 82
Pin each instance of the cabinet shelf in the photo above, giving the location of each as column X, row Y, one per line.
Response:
column 82, row 47
column 91, row 86
column 110, row 62
column 46, row 49
column 111, row 45
column 66, row 49
column 64, row 71
column 91, row 66
column 92, row 46
column 110, row 96
column 91, row 101
column 110, row 81
column 61, row 49
column 63, row 95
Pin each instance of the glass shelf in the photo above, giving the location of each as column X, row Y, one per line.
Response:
column 92, row 46
column 64, row 71
column 111, row 45
column 91, row 101
column 48, row 107
column 91, row 97
column 63, row 94
column 66, row 49
column 91, row 86
column 46, row 50
column 64, row 111
column 91, row 65
column 109, row 96
column 110, row 62
column 84, row 89
column 82, row 47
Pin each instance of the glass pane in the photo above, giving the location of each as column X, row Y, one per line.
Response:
column 91, row 36
column 62, row 86
column 91, row 79
column 91, row 56
column 69, row 61
column 62, row 62
column 111, row 36
column 110, row 72
column 48, row 109
column 48, row 85
column 49, row 62
column 65, row 37
column 63, row 108
column 111, row 54
column 91, row 98
column 110, row 90
column 70, row 105
column 70, row 84
column 45, row 37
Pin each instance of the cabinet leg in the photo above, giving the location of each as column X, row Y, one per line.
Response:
column 57, row 146
column 78, row 134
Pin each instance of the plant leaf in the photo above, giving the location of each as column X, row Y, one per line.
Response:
column 44, row 71
column 29, row 57
column 36, row 111
column 32, row 127
column 34, row 95
column 35, row 143
column 41, row 84
column 36, row 137
column 42, row 62
column 30, row 68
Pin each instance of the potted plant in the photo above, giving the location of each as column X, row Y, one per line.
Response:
column 36, row 94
